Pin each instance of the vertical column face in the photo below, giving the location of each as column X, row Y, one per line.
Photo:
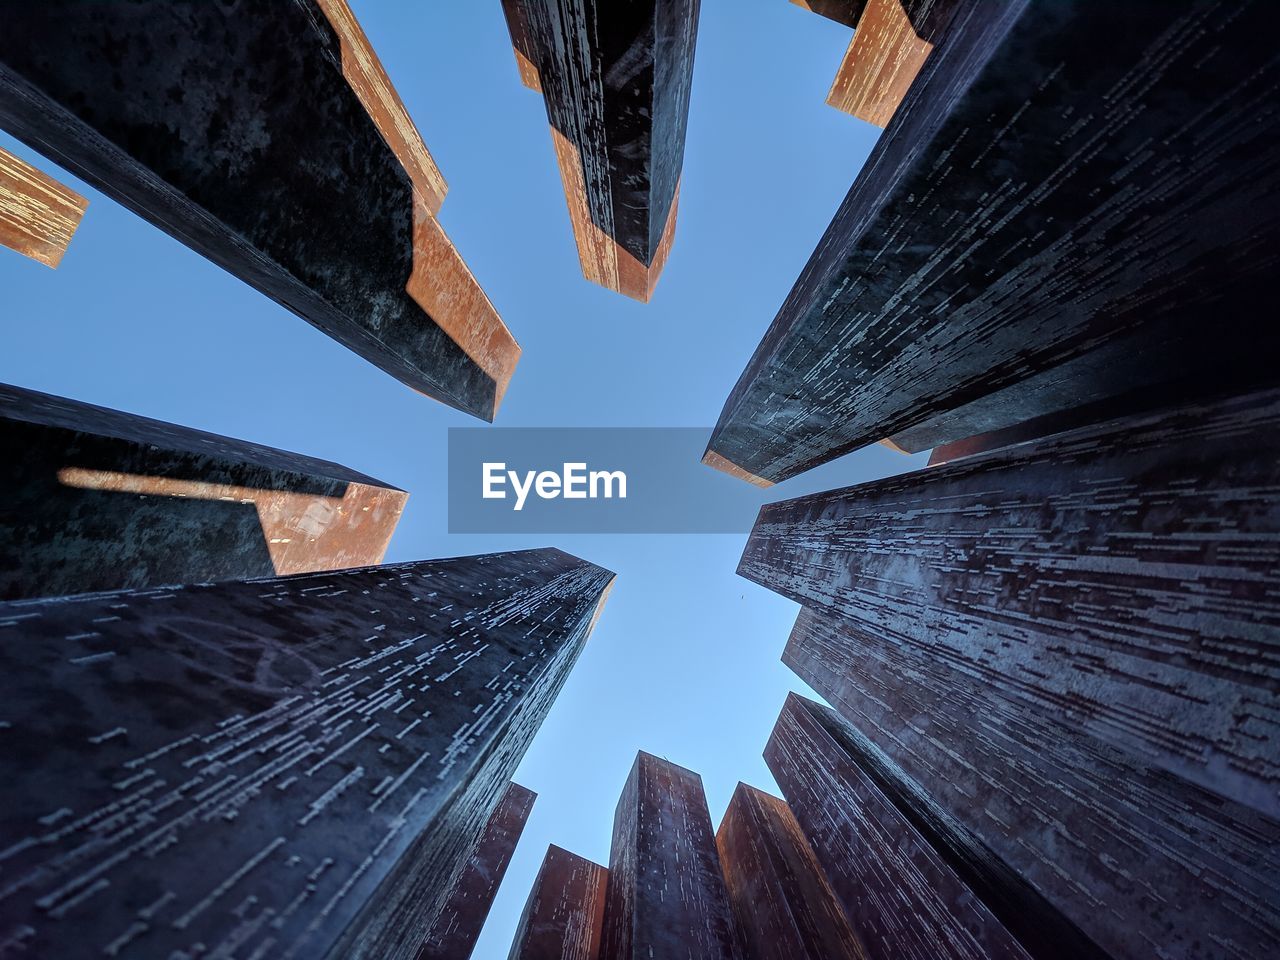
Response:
column 265, row 135
column 564, row 917
column 1138, row 860
column 902, row 874
column 456, row 928
column 785, row 907
column 104, row 500
column 667, row 894
column 616, row 79
column 1122, row 579
column 278, row 768
column 38, row 215
column 1005, row 228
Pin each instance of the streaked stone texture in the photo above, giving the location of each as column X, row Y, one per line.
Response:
column 265, row 135
column 914, row 884
column 38, row 215
column 615, row 78
column 667, row 894
column 456, row 928
column 1065, row 196
column 1123, row 579
column 104, row 500
column 564, row 916
column 1143, row 863
column 786, row 909
column 287, row 768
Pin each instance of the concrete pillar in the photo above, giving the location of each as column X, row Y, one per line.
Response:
column 1010, row 249
column 105, row 500
column 287, row 768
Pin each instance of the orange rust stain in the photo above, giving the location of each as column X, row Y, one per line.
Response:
column 713, row 459
column 443, row 286
column 363, row 70
column 604, row 596
column 38, row 215
column 529, row 74
column 892, row 445
column 603, row 259
column 882, row 60
column 304, row 532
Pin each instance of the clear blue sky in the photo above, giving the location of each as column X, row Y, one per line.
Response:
column 685, row 662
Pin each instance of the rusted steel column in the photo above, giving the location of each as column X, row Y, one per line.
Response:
column 667, row 894
column 288, row 768
column 1010, row 250
column 1122, row 579
column 38, row 215
column 912, row 882
column 564, row 916
column 456, row 928
column 785, row 907
column 616, row 79
column 265, row 135
column 104, row 500
column 1140, row 861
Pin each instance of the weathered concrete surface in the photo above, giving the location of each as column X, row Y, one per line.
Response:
column 104, row 500
column 914, row 885
column 456, row 928
column 667, row 895
column 1129, row 404
column 265, row 135
column 38, row 215
column 1123, row 579
column 786, row 909
column 564, row 916
column 1142, row 862
column 615, row 78
column 1007, row 228
column 290, row 768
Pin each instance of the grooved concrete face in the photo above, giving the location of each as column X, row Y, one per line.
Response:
column 1136, row 859
column 104, row 500
column 616, row 80
column 667, row 894
column 564, row 916
column 901, row 874
column 244, row 129
column 454, row 932
column 785, row 907
column 1122, row 579
column 1011, row 249
column 288, row 768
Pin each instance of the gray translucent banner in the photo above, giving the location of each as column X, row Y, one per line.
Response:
column 585, row 472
